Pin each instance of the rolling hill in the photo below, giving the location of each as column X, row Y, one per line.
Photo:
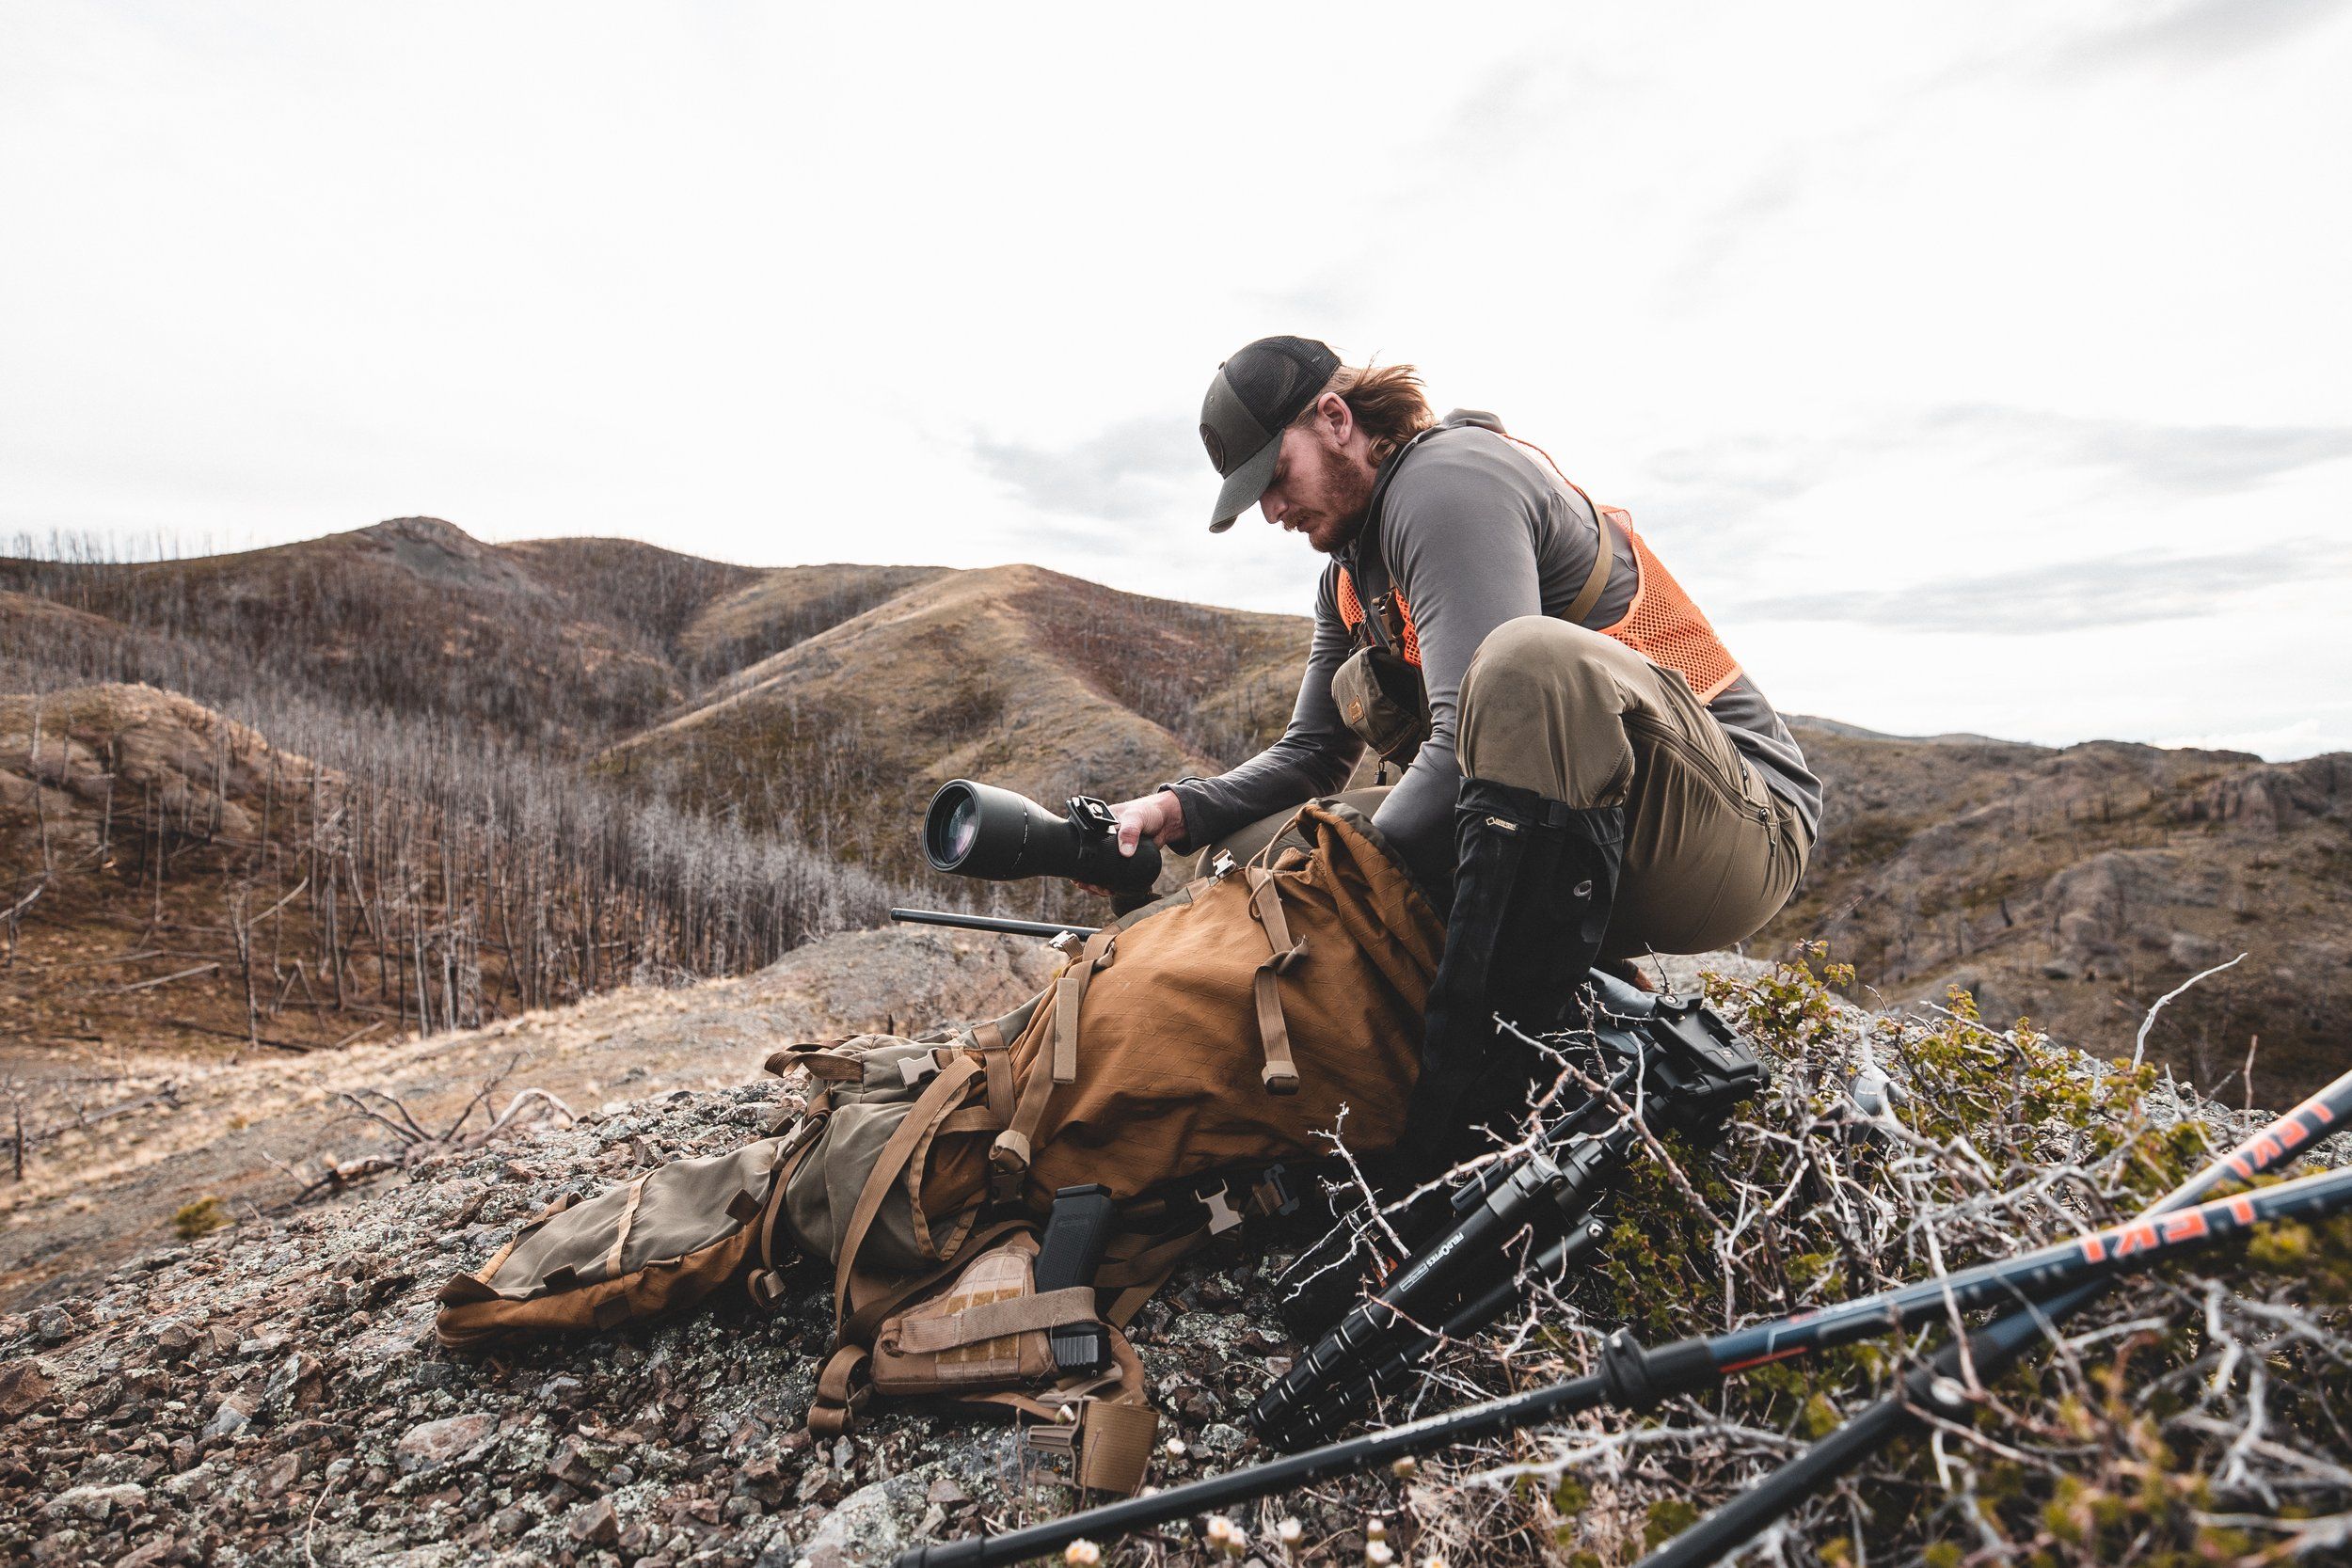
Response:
column 819, row 705
column 1017, row 675
column 562, row 644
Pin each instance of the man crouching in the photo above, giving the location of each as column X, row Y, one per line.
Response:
column 1588, row 774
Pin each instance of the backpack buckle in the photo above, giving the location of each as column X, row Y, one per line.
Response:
column 1274, row 1195
column 766, row 1289
column 1052, row 1445
column 1008, row 1159
column 1095, row 1445
column 1223, row 1216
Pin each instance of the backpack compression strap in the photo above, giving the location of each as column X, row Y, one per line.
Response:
column 1280, row 1073
column 1057, row 1063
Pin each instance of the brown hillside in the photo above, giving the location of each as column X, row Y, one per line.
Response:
column 2076, row 886
column 827, row 701
column 784, row 606
column 126, row 815
column 1016, row 675
column 449, row 683
column 170, row 882
column 654, row 592
column 411, row 616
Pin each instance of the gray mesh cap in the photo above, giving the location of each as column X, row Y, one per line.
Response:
column 1258, row 391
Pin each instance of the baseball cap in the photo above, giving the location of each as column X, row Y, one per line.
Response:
column 1261, row 389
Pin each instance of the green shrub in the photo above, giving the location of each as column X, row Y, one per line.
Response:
column 200, row 1218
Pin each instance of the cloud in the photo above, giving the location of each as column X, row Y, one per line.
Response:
column 2192, row 32
column 1518, row 99
column 2298, row 737
column 1137, row 469
column 1740, row 474
column 1749, row 213
column 1730, row 484
column 2205, row 459
column 2101, row 593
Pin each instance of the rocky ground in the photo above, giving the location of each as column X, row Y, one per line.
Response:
column 248, row 1134
column 273, row 1393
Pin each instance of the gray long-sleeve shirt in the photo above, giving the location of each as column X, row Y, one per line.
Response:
column 1476, row 532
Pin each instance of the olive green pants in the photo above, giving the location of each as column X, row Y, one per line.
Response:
column 1710, row 852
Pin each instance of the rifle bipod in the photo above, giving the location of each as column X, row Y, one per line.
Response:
column 1674, row 1059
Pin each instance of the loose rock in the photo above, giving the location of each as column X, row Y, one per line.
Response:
column 436, row 1443
column 24, row 1387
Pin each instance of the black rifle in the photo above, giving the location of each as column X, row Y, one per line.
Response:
column 1934, row 1385
column 1638, row 1379
column 991, row 922
column 1674, row 1059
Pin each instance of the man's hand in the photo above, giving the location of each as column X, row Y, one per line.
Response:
column 1157, row 816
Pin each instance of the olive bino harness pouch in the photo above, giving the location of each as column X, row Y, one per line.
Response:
column 657, row 1242
column 1382, row 699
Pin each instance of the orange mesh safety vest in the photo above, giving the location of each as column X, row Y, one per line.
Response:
column 1661, row 624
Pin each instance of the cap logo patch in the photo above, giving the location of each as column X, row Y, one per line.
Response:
column 1216, row 443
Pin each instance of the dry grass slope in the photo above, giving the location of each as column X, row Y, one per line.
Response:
column 1016, row 675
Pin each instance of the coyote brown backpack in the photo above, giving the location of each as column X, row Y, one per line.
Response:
column 1181, row 1055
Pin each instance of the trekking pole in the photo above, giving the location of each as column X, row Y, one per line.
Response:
column 1639, row 1379
column 989, row 923
column 1934, row 1386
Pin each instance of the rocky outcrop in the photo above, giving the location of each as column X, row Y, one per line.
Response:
column 2076, row 886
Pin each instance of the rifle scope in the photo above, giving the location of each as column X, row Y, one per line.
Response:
column 977, row 830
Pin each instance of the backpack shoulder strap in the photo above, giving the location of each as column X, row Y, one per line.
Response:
column 1368, row 562
column 1604, row 556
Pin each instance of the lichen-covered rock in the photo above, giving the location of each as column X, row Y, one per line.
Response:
column 24, row 1387
column 433, row 1444
column 96, row 1503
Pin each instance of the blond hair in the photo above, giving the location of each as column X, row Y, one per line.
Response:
column 1386, row 401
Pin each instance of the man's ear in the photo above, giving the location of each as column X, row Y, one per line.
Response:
column 1335, row 418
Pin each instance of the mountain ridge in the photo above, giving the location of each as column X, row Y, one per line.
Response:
column 2073, row 884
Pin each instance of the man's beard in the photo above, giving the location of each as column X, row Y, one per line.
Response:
column 1348, row 490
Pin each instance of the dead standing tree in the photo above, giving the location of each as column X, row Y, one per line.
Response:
column 414, row 1142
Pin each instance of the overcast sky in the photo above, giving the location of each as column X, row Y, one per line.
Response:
column 1978, row 367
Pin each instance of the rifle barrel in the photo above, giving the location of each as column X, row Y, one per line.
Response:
column 989, row 923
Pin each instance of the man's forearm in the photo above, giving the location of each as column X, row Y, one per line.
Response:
column 1283, row 775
